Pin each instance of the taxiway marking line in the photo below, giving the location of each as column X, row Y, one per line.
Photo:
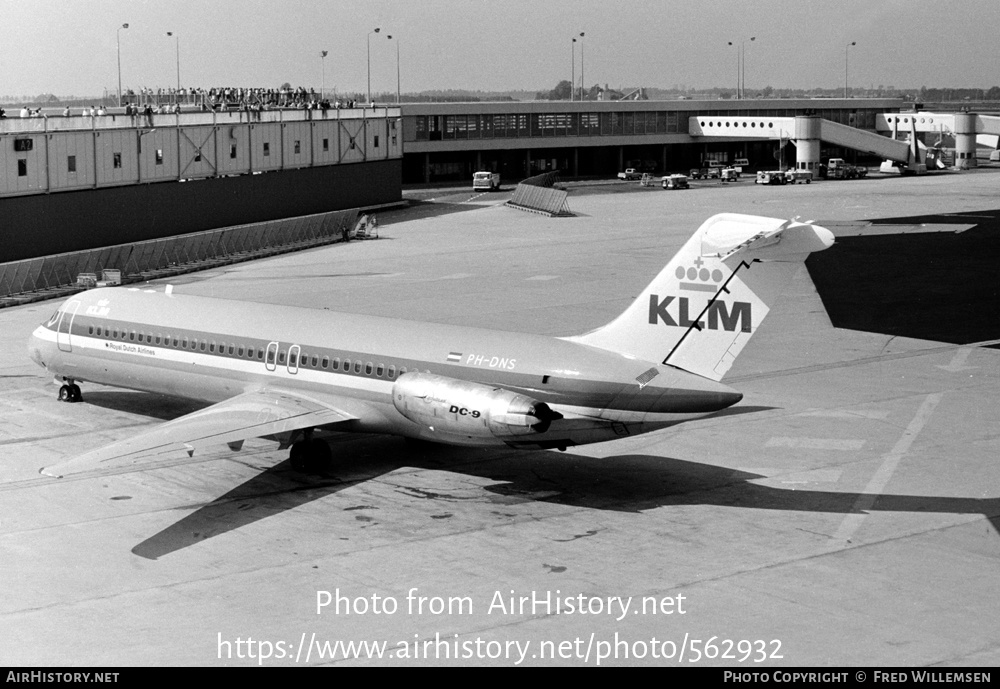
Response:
column 816, row 443
column 852, row 522
column 876, row 414
column 957, row 363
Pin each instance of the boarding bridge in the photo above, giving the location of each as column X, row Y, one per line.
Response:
column 807, row 132
column 967, row 128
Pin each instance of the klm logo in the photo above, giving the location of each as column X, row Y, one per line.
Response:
column 719, row 315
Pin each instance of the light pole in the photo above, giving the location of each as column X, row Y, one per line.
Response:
column 583, row 92
column 322, row 59
column 737, row 71
column 397, row 68
column 572, row 88
column 845, row 65
column 177, row 40
column 369, row 39
column 118, row 37
column 744, row 55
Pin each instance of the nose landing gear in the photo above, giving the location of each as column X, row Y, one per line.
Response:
column 70, row 391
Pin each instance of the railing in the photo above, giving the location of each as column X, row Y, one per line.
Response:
column 174, row 255
column 538, row 195
column 41, row 125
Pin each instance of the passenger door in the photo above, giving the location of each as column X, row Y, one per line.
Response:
column 65, row 326
column 271, row 356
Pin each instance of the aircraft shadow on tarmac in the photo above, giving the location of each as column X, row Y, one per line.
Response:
column 147, row 404
column 624, row 483
column 938, row 286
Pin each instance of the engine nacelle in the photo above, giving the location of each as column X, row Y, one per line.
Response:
column 469, row 409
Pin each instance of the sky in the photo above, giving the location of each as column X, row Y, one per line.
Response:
column 68, row 47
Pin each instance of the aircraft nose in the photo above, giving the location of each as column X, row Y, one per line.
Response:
column 35, row 350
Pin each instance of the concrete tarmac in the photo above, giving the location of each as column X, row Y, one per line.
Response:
column 846, row 512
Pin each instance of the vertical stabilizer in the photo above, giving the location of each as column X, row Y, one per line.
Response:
column 707, row 303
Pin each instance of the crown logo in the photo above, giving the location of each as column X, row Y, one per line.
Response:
column 700, row 278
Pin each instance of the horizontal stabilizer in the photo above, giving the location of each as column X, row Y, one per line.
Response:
column 772, row 239
column 248, row 415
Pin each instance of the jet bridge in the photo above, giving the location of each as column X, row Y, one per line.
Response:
column 966, row 127
column 806, row 132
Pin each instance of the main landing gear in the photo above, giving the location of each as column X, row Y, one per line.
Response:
column 70, row 391
column 310, row 454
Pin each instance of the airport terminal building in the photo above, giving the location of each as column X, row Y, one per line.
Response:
column 73, row 184
column 449, row 141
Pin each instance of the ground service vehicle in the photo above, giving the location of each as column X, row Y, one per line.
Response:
column 698, row 173
column 770, row 177
column 729, row 174
column 675, row 182
column 796, row 176
column 838, row 168
column 486, row 181
column 630, row 174
column 713, row 168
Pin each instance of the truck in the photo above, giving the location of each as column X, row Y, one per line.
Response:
column 677, row 181
column 630, row 174
column 771, row 177
column 797, row 176
column 838, row 168
column 486, row 181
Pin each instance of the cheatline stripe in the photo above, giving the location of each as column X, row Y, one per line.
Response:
column 211, row 363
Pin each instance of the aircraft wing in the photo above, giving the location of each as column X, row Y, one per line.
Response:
column 247, row 415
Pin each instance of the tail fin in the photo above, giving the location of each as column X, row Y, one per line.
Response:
column 707, row 303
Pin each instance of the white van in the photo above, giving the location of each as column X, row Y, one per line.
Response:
column 486, row 181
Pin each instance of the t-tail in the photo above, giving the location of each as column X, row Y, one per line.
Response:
column 703, row 308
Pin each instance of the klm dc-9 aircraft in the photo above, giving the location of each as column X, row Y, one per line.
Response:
column 287, row 372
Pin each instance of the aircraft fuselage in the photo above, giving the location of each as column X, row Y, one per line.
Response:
column 213, row 349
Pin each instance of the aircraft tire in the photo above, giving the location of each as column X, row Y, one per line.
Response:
column 310, row 455
column 64, row 394
column 320, row 454
column 75, row 395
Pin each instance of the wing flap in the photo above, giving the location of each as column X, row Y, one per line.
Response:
column 247, row 415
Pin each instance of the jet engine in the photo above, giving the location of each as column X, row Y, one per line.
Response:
column 472, row 410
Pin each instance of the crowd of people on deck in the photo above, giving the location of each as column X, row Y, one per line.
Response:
column 224, row 98
column 147, row 101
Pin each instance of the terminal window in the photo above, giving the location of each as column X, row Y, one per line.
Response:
column 298, row 147
column 376, row 141
column 326, row 144
column 267, row 149
column 117, row 159
column 22, row 167
column 232, row 150
column 159, row 156
column 71, row 164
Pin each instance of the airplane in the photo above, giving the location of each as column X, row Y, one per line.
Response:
column 281, row 371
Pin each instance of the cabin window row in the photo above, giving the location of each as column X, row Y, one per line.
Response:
column 284, row 357
column 177, row 342
column 316, row 361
